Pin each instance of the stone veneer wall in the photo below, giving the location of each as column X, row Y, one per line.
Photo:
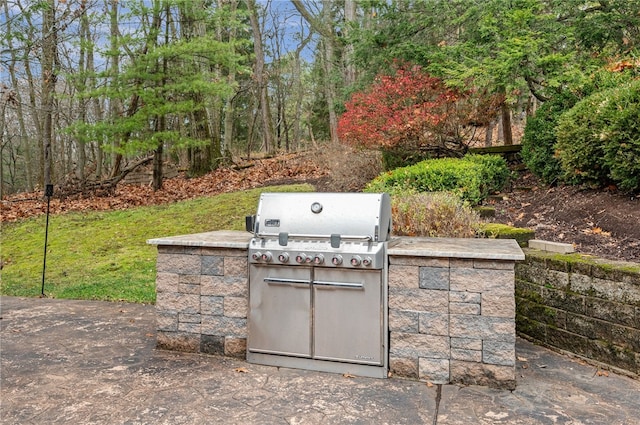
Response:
column 452, row 320
column 589, row 309
column 201, row 300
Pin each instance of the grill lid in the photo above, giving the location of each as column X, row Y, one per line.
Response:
column 335, row 216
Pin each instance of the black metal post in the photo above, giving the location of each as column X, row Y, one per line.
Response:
column 48, row 193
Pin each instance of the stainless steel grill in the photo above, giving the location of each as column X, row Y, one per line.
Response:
column 318, row 282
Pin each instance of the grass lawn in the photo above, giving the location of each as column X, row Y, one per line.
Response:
column 104, row 255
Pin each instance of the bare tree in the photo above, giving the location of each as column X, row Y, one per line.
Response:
column 49, row 77
column 16, row 95
column 116, row 107
column 323, row 24
column 259, row 77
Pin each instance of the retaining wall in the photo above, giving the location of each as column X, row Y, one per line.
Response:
column 583, row 306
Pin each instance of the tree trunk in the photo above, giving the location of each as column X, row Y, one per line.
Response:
column 24, row 139
column 324, row 26
column 229, row 112
column 157, row 168
column 115, row 103
column 506, row 123
column 34, row 107
column 3, row 103
column 259, row 77
column 49, row 43
column 204, row 121
column 297, row 82
column 349, row 66
column 488, row 137
column 161, row 121
column 298, row 90
column 330, row 90
column 83, row 68
column 96, row 107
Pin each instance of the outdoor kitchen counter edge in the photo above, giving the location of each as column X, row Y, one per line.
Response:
column 485, row 249
column 215, row 239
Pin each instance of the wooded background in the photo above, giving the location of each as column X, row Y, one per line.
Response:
column 91, row 88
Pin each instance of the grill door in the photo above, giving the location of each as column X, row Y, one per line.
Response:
column 280, row 310
column 348, row 315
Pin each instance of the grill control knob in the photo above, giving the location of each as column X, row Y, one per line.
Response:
column 301, row 258
column 267, row 256
column 366, row 261
column 356, row 260
column 318, row 259
column 336, row 260
column 257, row 256
column 283, row 258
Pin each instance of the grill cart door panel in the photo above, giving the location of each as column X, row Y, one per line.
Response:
column 280, row 310
column 348, row 315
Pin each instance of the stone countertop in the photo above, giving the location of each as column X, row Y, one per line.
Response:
column 215, row 239
column 485, row 249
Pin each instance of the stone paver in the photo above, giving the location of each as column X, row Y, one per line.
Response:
column 86, row 362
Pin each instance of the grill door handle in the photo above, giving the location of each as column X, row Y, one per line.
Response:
column 285, row 281
column 339, row 284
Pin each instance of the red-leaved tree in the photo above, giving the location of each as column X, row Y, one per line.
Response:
column 413, row 111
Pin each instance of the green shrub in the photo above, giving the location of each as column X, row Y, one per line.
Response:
column 539, row 139
column 438, row 214
column 539, row 151
column 472, row 178
column 599, row 139
column 622, row 137
column 579, row 147
column 495, row 171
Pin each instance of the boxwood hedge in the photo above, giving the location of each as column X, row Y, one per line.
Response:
column 473, row 177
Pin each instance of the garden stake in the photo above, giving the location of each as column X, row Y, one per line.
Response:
column 48, row 193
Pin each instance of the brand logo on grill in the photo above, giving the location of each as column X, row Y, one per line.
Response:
column 359, row 357
column 272, row 222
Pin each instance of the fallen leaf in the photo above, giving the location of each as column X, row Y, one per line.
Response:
column 348, row 375
column 603, row 373
column 429, row 384
column 522, row 359
column 241, row 370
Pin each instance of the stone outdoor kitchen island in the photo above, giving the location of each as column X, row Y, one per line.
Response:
column 451, row 303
